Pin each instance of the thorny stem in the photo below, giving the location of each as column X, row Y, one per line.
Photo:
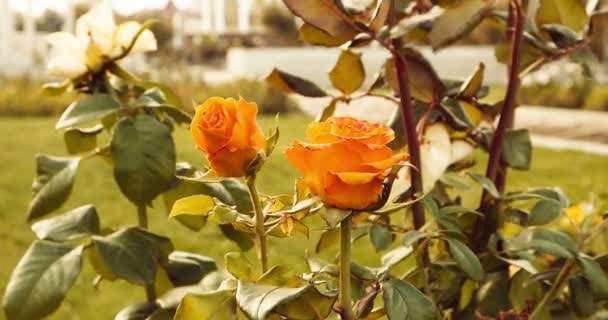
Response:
column 413, row 145
column 259, row 223
column 409, row 124
column 507, row 115
column 554, row 290
column 346, row 312
column 142, row 219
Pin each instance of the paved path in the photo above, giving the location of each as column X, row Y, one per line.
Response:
column 567, row 129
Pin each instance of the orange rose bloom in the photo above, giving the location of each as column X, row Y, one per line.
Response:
column 346, row 162
column 227, row 131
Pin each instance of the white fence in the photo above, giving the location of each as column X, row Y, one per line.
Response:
column 314, row 63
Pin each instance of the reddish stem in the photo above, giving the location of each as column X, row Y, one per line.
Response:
column 409, row 123
column 507, row 116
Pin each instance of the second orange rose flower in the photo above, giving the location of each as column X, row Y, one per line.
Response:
column 346, row 162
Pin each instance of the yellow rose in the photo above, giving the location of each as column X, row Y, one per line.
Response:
column 227, row 131
column 346, row 162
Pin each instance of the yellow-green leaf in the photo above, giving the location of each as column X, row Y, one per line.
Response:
column 348, row 73
column 289, row 83
column 470, row 87
column 570, row 13
column 323, row 14
column 458, row 21
column 198, row 205
column 313, row 35
column 218, row 305
column 238, row 265
column 424, row 83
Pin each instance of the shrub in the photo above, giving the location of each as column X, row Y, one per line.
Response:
column 269, row 100
column 24, row 96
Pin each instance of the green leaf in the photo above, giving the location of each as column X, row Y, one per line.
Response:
column 380, row 236
column 237, row 264
column 403, row 301
column 313, row 35
column 466, row 259
column 522, row 292
column 517, row 149
column 594, row 273
column 393, row 257
column 562, row 36
column 456, row 22
column 289, row 83
column 553, row 242
column 88, row 108
column 326, row 15
column 427, row 86
column 41, row 279
column 543, row 212
column 153, row 97
column 473, row 84
column 218, row 305
column 185, row 268
column 258, row 301
column 570, row 13
column 74, row 224
column 581, row 296
column 53, row 184
column 348, row 74
column 455, row 114
column 137, row 311
column 144, row 158
column 413, row 236
column 485, row 183
column 132, row 254
column 171, row 98
column 81, row 140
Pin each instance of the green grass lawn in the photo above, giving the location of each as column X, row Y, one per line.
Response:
column 22, row 138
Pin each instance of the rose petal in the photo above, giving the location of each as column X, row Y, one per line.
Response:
column 460, row 150
column 345, row 128
column 340, row 193
column 97, row 26
column 124, row 34
column 67, row 66
column 231, row 163
column 246, row 131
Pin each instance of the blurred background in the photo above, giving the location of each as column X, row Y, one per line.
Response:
column 215, row 46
